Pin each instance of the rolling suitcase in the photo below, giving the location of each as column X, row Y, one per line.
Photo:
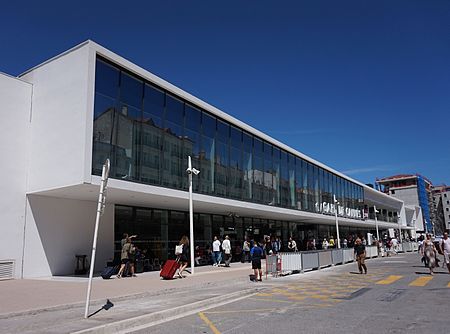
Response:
column 109, row 271
column 169, row 269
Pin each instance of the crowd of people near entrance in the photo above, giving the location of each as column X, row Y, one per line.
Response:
column 222, row 253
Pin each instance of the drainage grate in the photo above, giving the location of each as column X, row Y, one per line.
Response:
column 6, row 269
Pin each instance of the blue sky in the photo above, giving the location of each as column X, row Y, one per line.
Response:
column 362, row 86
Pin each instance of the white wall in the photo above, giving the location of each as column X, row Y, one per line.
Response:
column 407, row 195
column 58, row 229
column 15, row 107
column 62, row 112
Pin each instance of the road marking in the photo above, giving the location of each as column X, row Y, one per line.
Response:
column 421, row 281
column 272, row 300
column 241, row 311
column 448, row 285
column 208, row 322
column 389, row 280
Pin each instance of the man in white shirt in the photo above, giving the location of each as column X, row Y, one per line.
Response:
column 216, row 251
column 445, row 245
column 226, row 246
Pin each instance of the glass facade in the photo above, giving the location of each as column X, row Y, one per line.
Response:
column 148, row 133
column 158, row 231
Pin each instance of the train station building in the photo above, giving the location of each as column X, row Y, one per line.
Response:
column 63, row 118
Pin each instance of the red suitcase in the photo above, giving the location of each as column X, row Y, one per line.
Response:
column 169, row 269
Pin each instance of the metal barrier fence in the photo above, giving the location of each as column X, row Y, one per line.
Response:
column 348, row 255
column 409, row 246
column 325, row 258
column 300, row 261
column 273, row 265
column 337, row 256
column 290, row 261
column 310, row 260
column 371, row 251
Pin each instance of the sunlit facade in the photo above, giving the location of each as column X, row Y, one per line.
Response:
column 89, row 104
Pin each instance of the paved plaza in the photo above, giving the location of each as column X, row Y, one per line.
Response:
column 396, row 296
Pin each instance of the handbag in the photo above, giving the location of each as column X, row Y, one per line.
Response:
column 178, row 249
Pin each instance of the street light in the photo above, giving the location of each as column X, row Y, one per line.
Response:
column 190, row 170
column 336, row 203
column 399, row 227
column 376, row 222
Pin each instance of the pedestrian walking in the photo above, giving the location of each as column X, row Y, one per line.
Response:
column 324, row 243
column 226, row 246
column 429, row 251
column 360, row 255
column 292, row 245
column 216, row 251
column 445, row 246
column 183, row 257
column 245, row 251
column 125, row 258
column 256, row 254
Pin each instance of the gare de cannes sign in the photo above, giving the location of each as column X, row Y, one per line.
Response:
column 329, row 208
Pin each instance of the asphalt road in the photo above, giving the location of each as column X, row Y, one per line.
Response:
column 396, row 296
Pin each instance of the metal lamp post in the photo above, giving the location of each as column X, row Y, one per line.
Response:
column 376, row 222
column 336, row 203
column 399, row 228
column 100, row 210
column 190, row 170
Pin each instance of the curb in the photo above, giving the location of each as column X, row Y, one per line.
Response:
column 152, row 319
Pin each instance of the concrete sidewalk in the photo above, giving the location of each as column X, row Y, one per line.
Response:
column 34, row 295
column 56, row 305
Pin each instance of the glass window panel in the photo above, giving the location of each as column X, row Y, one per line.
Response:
column 174, row 110
column 248, row 175
column 106, row 79
column 284, row 180
column 193, row 118
column 236, row 137
column 310, row 187
column 247, row 141
column 305, row 187
column 292, row 191
column 103, row 132
column 268, row 175
column 221, row 168
column 326, row 194
column 126, row 148
column 299, row 183
column 258, row 179
column 151, row 154
column 207, row 161
column 235, row 173
column 316, row 187
column 173, row 163
column 131, row 90
column 154, row 101
column 258, row 147
column 208, row 125
column 321, row 186
column 223, row 131
column 276, row 175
